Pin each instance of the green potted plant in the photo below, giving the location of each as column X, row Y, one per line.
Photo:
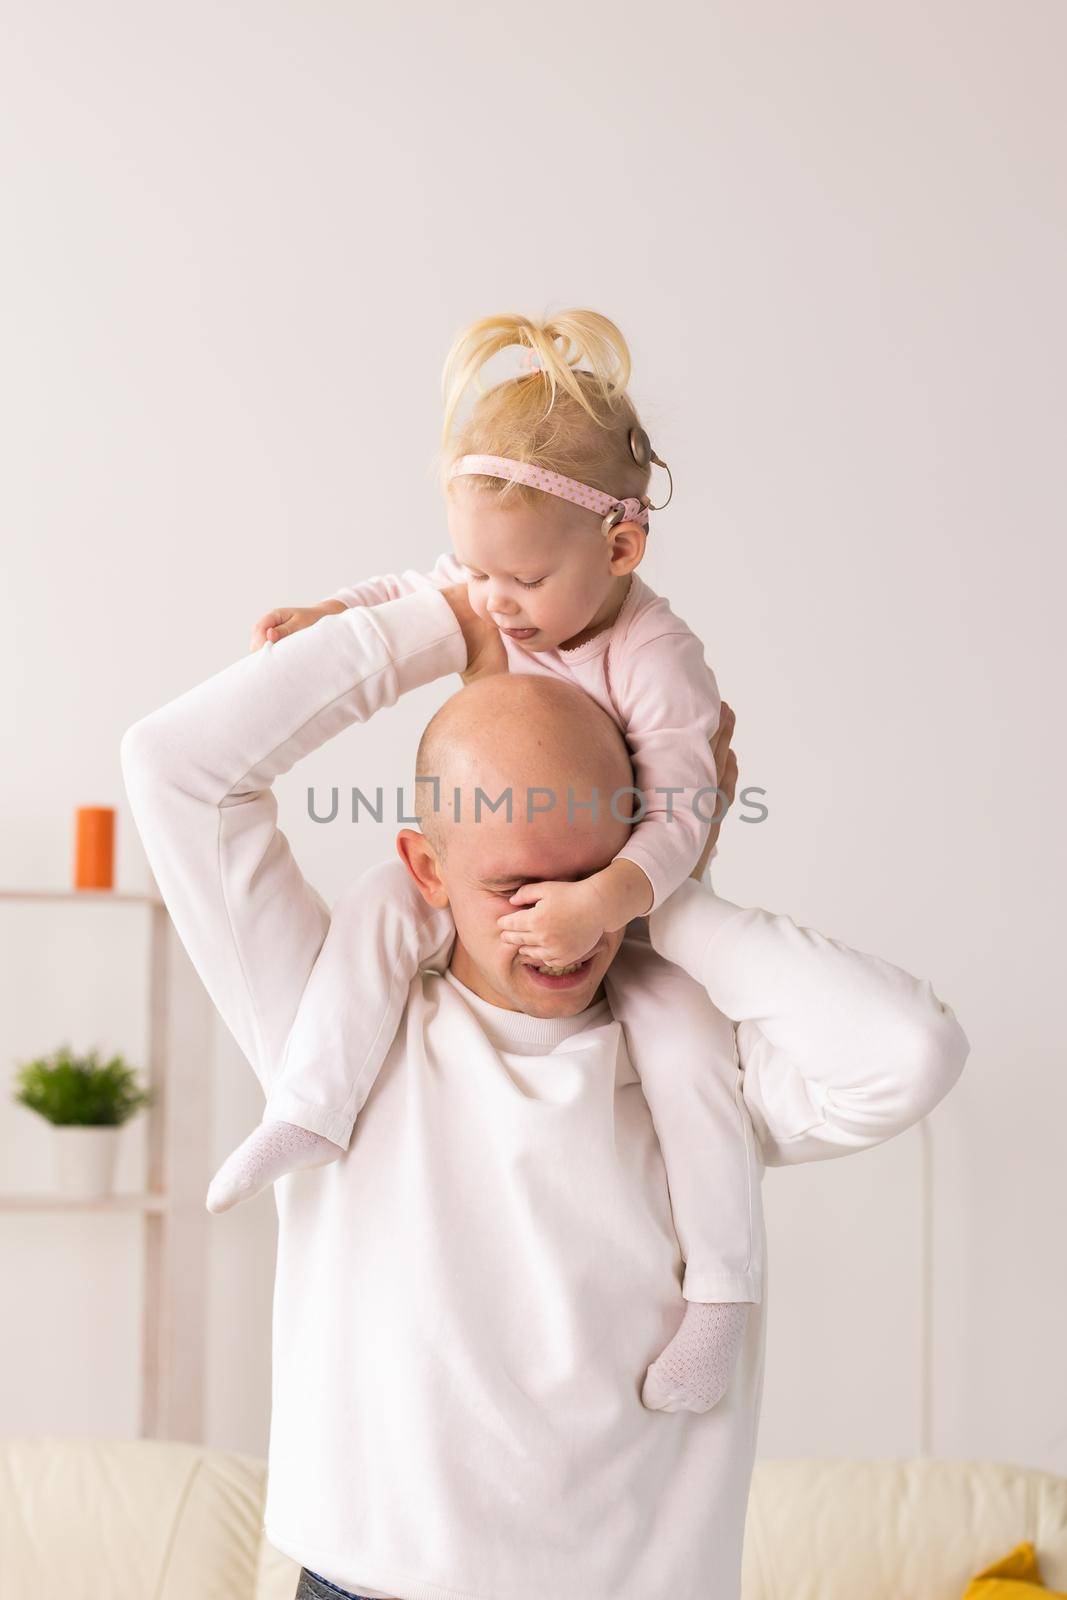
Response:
column 86, row 1100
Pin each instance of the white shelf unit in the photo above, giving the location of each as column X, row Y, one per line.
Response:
column 174, row 1227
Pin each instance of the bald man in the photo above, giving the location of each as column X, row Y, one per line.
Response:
column 465, row 1302
column 551, row 745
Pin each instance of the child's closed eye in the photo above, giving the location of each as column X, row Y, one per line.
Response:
column 523, row 583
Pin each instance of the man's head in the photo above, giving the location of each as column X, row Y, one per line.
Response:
column 531, row 738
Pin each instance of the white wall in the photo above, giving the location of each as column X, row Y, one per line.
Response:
column 239, row 240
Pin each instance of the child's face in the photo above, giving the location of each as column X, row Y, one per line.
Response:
column 541, row 575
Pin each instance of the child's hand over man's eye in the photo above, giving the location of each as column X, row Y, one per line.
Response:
column 559, row 922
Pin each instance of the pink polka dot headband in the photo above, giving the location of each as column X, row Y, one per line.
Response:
column 612, row 511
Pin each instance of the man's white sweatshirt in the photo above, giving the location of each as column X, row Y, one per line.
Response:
column 466, row 1303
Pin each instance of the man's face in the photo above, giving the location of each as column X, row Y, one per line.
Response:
column 486, row 861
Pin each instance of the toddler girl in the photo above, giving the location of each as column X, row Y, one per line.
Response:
column 545, row 494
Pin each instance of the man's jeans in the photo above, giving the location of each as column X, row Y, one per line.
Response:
column 312, row 1587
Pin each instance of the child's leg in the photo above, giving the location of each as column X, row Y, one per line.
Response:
column 381, row 932
column 683, row 1050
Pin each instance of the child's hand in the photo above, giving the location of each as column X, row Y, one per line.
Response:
column 561, row 922
column 275, row 625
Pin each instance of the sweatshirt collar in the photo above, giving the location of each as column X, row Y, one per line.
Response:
column 523, row 1034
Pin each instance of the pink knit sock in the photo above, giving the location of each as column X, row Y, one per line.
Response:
column 694, row 1371
column 270, row 1150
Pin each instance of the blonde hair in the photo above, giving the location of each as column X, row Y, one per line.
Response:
column 568, row 418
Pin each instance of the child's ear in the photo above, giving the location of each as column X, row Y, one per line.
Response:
column 417, row 854
column 627, row 547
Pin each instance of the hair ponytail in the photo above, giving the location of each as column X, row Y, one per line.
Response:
column 571, row 414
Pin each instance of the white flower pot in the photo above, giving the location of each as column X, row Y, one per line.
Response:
column 84, row 1160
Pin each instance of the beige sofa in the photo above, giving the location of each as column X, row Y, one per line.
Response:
column 120, row 1519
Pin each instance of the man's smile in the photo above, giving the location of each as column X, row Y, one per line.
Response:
column 571, row 976
column 560, row 977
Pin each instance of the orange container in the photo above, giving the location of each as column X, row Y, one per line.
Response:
column 94, row 847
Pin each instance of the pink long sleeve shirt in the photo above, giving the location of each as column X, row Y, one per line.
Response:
column 648, row 672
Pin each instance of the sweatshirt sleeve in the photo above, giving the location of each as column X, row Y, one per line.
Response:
column 199, row 774
column 394, row 585
column 839, row 1050
column 670, row 706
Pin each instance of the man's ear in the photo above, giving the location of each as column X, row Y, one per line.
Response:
column 627, row 547
column 417, row 854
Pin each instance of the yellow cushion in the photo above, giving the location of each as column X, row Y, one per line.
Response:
column 1014, row 1577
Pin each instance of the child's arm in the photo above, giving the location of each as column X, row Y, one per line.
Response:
column 670, row 705
column 278, row 624
column 375, row 591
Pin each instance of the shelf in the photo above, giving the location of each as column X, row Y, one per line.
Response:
column 174, row 1221
column 46, row 1201
column 90, row 896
